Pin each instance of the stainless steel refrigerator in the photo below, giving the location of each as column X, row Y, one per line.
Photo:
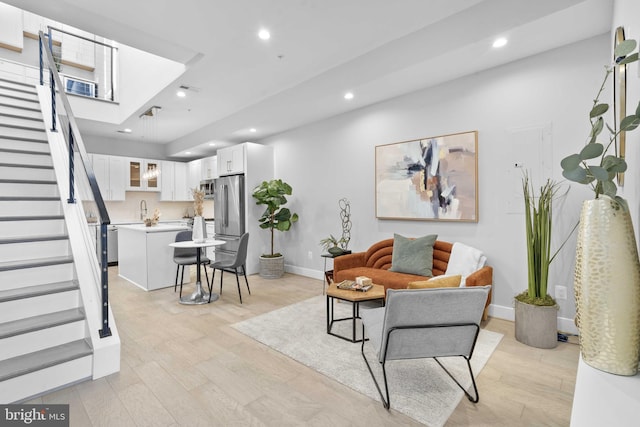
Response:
column 228, row 199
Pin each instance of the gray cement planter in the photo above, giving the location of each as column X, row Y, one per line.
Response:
column 537, row 326
column 272, row 268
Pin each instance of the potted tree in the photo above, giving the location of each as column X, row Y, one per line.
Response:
column 535, row 309
column 273, row 194
column 607, row 275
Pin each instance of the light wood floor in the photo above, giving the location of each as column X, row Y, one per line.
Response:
column 185, row 366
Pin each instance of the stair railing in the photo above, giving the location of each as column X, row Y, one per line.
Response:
column 76, row 145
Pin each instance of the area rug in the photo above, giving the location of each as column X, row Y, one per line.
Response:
column 419, row 388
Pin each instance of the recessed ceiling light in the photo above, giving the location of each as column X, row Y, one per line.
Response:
column 264, row 34
column 181, row 93
column 348, row 95
column 500, row 42
column 127, row 130
column 253, row 130
column 212, row 144
column 187, row 152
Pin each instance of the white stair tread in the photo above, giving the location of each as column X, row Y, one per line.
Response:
column 36, row 323
column 42, row 359
column 38, row 290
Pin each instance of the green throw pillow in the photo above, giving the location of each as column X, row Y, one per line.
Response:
column 413, row 256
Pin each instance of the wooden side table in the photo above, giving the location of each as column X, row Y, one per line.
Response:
column 376, row 293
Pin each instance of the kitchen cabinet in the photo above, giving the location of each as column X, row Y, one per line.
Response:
column 231, row 160
column 143, row 175
column 175, row 183
column 209, row 167
column 110, row 173
column 194, row 169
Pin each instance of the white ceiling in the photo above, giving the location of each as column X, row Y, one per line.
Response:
column 319, row 49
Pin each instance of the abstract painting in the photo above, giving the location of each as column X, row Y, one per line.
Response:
column 433, row 178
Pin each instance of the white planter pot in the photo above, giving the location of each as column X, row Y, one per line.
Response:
column 607, row 288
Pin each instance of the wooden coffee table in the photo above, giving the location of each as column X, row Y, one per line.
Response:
column 376, row 293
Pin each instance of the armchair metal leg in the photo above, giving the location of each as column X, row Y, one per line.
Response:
column 385, row 402
column 473, row 380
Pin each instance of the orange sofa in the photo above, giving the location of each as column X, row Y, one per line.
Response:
column 376, row 261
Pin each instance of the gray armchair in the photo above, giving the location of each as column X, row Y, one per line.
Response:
column 425, row 323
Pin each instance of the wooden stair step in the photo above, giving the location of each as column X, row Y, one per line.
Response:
column 37, row 323
column 28, row 181
column 33, row 263
column 38, row 290
column 38, row 360
column 20, row 117
column 30, row 239
column 17, row 83
column 12, row 150
column 18, row 107
column 25, row 128
column 32, row 218
column 25, row 165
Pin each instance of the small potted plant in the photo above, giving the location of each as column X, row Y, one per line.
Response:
column 332, row 245
column 273, row 194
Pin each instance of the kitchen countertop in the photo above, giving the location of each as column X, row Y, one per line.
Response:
column 159, row 228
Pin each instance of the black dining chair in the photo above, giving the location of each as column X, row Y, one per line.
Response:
column 185, row 257
column 235, row 265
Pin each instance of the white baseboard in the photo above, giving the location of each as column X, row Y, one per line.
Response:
column 508, row 313
column 306, row 272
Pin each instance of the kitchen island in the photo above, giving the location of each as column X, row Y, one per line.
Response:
column 144, row 256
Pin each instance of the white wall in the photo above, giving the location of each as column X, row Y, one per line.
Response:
column 334, row 158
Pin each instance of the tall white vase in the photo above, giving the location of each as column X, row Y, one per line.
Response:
column 199, row 229
column 607, row 288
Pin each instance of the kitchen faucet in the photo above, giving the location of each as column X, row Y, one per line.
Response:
column 143, row 210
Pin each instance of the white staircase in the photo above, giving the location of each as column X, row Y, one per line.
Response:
column 44, row 342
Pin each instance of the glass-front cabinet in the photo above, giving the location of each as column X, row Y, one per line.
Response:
column 144, row 175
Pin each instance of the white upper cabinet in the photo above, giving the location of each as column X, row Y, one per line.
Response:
column 110, row 173
column 194, row 168
column 143, row 175
column 209, row 167
column 175, row 182
column 231, row 160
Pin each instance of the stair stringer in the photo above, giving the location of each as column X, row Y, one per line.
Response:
column 106, row 351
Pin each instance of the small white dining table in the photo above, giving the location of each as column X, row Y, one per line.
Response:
column 198, row 296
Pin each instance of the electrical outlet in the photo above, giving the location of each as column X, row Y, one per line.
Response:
column 561, row 292
column 310, row 255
